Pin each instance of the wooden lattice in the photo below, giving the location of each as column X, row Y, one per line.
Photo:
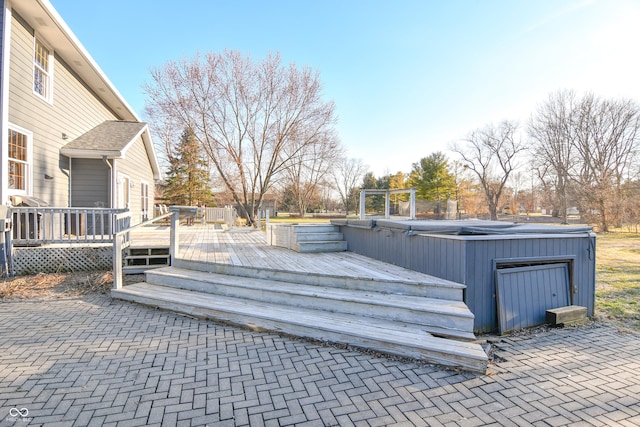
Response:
column 46, row 259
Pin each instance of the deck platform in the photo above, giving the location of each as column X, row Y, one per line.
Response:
column 247, row 247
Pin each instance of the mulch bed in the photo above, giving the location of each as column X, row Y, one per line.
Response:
column 59, row 285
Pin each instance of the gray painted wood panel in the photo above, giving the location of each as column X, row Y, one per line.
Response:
column 469, row 260
column 89, row 183
column 524, row 294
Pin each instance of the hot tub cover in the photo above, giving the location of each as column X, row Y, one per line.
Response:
column 471, row 227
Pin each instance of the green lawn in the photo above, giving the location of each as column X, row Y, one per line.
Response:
column 618, row 278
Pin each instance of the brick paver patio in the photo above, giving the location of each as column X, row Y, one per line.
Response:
column 98, row 361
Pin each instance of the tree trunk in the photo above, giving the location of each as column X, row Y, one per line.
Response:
column 493, row 212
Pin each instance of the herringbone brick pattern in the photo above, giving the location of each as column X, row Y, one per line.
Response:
column 97, row 361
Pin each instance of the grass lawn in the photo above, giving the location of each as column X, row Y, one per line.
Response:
column 618, row 279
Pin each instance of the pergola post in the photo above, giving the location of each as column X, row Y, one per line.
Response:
column 387, row 204
column 412, row 204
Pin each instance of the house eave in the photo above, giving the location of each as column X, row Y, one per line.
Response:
column 91, row 154
column 48, row 24
column 151, row 152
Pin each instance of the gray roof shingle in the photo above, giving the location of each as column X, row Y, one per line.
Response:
column 110, row 138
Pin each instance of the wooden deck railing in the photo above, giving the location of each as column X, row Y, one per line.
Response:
column 40, row 225
column 122, row 240
column 225, row 215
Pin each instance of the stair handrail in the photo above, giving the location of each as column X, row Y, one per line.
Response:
column 122, row 240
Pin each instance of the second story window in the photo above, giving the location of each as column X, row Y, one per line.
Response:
column 42, row 65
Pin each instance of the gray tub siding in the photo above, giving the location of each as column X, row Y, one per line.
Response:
column 413, row 252
column 480, row 277
column 469, row 260
column 74, row 110
column 89, row 183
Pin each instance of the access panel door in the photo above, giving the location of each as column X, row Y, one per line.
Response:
column 524, row 294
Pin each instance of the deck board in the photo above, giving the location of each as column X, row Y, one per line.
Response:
column 248, row 248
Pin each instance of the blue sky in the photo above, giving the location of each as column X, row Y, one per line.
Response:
column 408, row 77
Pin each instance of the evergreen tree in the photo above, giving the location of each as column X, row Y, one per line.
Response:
column 431, row 178
column 188, row 181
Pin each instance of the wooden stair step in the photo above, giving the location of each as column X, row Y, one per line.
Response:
column 435, row 288
column 318, row 238
column 450, row 318
column 333, row 236
column 142, row 258
column 376, row 334
column 315, row 228
column 320, row 246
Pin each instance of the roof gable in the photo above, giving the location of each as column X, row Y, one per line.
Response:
column 112, row 139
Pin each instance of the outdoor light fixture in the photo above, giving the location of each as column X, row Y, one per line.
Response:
column 65, row 136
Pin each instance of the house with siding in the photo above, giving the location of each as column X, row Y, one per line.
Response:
column 69, row 139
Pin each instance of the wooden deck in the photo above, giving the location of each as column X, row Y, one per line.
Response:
column 248, row 248
column 234, row 276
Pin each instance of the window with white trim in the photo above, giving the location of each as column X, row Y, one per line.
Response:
column 19, row 160
column 124, row 182
column 42, row 70
column 144, row 199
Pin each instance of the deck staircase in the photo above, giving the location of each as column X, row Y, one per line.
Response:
column 140, row 259
column 307, row 238
column 318, row 238
column 425, row 321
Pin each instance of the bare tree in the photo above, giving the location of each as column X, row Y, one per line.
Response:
column 252, row 119
column 551, row 128
column 310, row 169
column 491, row 154
column 606, row 141
column 348, row 175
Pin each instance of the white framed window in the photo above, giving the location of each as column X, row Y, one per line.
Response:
column 124, row 182
column 19, row 162
column 144, row 199
column 42, row 70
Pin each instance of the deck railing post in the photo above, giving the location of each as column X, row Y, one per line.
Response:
column 174, row 235
column 363, row 197
column 117, row 261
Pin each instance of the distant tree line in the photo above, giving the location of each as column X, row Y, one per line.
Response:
column 573, row 152
column 234, row 131
column 585, row 150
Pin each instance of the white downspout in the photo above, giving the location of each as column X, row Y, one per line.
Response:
column 112, row 181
